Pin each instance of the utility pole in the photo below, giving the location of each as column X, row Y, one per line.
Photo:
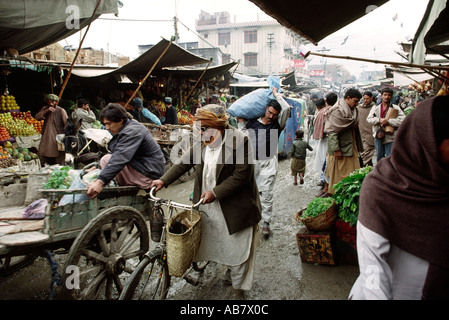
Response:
column 270, row 45
column 323, row 49
column 175, row 22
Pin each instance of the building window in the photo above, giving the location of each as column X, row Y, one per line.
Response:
column 205, row 36
column 251, row 36
column 250, row 59
column 226, row 58
column 224, row 38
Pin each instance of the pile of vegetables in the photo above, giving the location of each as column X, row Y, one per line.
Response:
column 59, row 179
column 96, row 124
column 317, row 206
column 347, row 193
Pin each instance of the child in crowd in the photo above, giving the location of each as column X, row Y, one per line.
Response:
column 298, row 152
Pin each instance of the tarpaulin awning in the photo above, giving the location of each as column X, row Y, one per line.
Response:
column 432, row 31
column 404, row 77
column 315, row 20
column 175, row 56
column 28, row 25
column 196, row 73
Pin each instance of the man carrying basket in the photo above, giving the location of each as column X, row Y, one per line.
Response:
column 224, row 173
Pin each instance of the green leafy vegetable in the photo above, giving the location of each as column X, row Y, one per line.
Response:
column 347, row 193
column 317, row 206
column 58, row 179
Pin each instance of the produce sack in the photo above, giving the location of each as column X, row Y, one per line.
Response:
column 254, row 104
column 79, row 183
column 391, row 114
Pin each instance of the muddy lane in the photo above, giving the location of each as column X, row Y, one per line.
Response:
column 279, row 274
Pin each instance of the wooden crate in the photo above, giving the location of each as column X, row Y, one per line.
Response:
column 316, row 247
column 346, row 245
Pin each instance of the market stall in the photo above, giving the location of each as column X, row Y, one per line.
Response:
column 176, row 74
column 20, row 133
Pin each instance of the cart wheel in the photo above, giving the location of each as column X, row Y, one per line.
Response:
column 12, row 264
column 105, row 253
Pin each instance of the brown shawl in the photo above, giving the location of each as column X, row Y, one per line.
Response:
column 318, row 123
column 406, row 197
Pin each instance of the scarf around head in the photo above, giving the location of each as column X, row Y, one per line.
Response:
column 212, row 115
column 406, row 197
column 341, row 117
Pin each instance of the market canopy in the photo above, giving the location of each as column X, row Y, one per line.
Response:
column 28, row 25
column 196, row 73
column 135, row 70
column 315, row 20
column 432, row 32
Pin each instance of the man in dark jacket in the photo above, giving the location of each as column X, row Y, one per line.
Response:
column 171, row 117
column 135, row 159
column 225, row 181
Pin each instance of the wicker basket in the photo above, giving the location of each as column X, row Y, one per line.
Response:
column 323, row 221
column 182, row 248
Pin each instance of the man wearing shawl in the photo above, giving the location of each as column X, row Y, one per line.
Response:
column 321, row 136
column 55, row 120
column 344, row 141
column 402, row 240
column 225, row 179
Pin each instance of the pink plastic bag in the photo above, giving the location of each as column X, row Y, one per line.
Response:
column 36, row 210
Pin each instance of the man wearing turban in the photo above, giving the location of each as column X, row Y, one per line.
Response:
column 225, row 181
column 55, row 119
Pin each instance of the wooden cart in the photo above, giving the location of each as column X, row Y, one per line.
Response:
column 105, row 239
column 167, row 136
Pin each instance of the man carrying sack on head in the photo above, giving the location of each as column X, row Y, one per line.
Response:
column 225, row 180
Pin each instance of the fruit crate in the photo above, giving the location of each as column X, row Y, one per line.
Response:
column 317, row 246
column 346, row 243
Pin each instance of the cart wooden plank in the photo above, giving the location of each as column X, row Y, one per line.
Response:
column 11, row 213
column 23, row 238
column 16, row 226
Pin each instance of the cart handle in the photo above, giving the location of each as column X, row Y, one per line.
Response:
column 175, row 204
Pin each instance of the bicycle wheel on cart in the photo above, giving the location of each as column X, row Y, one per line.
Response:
column 150, row 280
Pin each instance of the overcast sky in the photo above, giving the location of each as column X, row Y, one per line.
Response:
column 375, row 36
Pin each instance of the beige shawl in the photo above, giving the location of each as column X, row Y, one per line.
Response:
column 341, row 117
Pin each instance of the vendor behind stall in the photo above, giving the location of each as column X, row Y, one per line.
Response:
column 55, row 119
column 83, row 112
column 135, row 159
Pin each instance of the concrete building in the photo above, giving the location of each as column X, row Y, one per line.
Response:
column 263, row 47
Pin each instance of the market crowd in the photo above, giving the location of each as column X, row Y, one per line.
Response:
column 408, row 150
column 401, row 242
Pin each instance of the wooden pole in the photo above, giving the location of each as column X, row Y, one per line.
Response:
column 78, row 51
column 199, row 79
column 148, row 74
column 238, row 62
column 411, row 65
